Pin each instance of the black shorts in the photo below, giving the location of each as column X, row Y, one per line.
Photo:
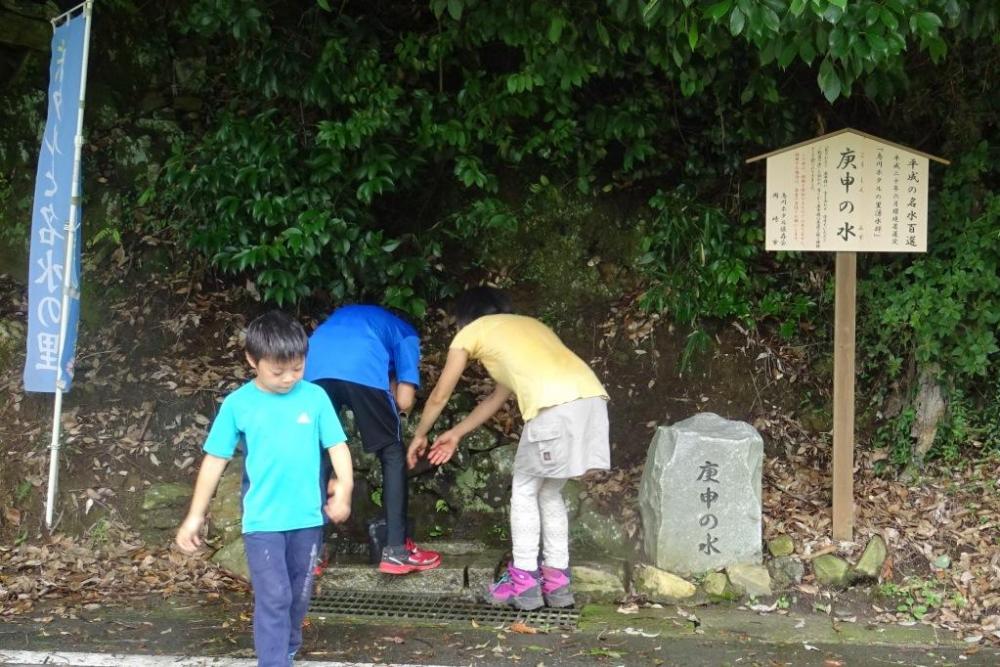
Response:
column 375, row 413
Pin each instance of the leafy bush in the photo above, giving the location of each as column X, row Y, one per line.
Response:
column 942, row 308
column 354, row 147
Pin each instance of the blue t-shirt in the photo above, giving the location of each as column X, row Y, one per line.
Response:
column 282, row 467
column 365, row 345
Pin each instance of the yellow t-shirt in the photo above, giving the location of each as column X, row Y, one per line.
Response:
column 528, row 358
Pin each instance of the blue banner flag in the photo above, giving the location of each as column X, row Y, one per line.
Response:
column 50, row 217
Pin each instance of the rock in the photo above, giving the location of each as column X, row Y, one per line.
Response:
column 152, row 101
column 595, row 532
column 190, row 74
column 459, row 575
column 226, row 508
column 167, row 496
column 164, row 506
column 870, row 564
column 233, row 558
column 17, row 30
column 481, row 440
column 786, row 572
column 930, row 408
column 831, row 570
column 571, row 496
column 598, row 582
column 717, row 586
column 662, row 586
column 780, row 546
column 700, row 495
column 942, row 562
column 749, row 579
column 188, row 103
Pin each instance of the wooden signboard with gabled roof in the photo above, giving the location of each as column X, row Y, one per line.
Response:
column 846, row 192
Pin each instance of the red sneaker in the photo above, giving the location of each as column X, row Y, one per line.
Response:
column 422, row 556
column 407, row 560
column 320, row 567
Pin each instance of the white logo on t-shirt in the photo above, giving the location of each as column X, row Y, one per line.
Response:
column 304, row 419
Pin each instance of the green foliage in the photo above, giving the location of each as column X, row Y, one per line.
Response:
column 989, row 418
column 895, row 437
column 246, row 196
column 858, row 42
column 917, row 597
column 699, row 263
column 355, row 147
column 943, row 306
column 23, row 490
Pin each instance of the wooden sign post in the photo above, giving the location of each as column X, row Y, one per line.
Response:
column 846, row 192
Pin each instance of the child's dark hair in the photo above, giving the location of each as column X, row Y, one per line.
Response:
column 276, row 336
column 479, row 302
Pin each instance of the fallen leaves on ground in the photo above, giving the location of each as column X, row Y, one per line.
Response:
column 79, row 573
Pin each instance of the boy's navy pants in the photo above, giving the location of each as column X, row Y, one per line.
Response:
column 281, row 571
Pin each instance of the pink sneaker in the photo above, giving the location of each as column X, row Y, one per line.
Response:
column 555, row 587
column 518, row 589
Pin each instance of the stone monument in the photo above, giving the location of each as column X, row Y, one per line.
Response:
column 700, row 495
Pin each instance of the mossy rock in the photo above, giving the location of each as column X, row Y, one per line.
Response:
column 831, row 571
column 782, row 545
column 167, row 496
column 716, row 585
column 662, row 586
column 870, row 564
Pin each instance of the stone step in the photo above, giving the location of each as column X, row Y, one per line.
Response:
column 463, row 575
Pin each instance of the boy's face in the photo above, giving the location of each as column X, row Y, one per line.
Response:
column 277, row 377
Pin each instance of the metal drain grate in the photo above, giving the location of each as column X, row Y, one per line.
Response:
column 422, row 607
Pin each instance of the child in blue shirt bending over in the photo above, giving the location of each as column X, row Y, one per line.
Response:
column 368, row 360
column 279, row 418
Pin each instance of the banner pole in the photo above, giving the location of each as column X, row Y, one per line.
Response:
column 67, row 286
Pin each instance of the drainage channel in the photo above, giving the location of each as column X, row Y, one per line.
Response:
column 417, row 606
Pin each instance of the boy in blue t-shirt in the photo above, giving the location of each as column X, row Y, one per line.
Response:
column 280, row 419
column 368, row 360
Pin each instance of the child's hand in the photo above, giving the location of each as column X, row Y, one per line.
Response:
column 188, row 535
column 444, row 447
column 417, row 448
column 338, row 505
column 338, row 509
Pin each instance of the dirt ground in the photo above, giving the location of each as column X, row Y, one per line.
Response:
column 154, row 358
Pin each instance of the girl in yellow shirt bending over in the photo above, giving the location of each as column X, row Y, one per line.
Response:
column 565, row 434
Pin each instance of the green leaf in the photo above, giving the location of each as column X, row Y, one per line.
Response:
column 838, row 43
column 719, row 9
column 797, row 7
column 455, row 9
column 693, row 35
column 602, row 34
column 842, row 4
column 771, row 19
column 828, row 81
column 555, row 28
column 650, row 11
column 806, row 51
column 925, row 22
column 889, row 19
column 737, row 20
column 877, row 43
column 324, row 4
column 788, row 54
